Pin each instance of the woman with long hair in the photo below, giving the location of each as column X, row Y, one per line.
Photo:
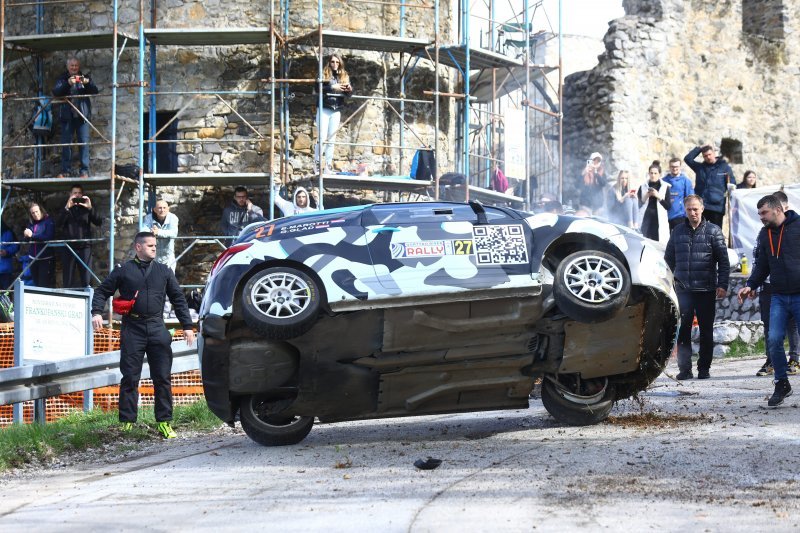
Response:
column 39, row 231
column 748, row 181
column 335, row 87
column 654, row 203
column 626, row 207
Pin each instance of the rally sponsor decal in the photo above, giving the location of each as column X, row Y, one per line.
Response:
column 401, row 250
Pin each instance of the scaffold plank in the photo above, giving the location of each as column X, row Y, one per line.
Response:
column 362, row 41
column 207, row 36
column 63, row 184
column 456, row 56
column 84, row 40
column 209, row 178
column 374, row 183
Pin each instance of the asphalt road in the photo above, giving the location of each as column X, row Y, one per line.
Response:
column 698, row 456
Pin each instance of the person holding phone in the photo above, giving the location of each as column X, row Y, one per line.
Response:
column 625, row 211
column 75, row 225
column 76, row 112
column 335, row 88
column 594, row 183
column 654, row 203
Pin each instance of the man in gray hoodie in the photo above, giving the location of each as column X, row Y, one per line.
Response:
column 240, row 213
column 299, row 203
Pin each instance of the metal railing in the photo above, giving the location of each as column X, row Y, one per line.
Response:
column 43, row 380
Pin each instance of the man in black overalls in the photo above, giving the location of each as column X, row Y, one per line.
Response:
column 143, row 329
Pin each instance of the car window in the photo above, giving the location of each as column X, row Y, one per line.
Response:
column 416, row 214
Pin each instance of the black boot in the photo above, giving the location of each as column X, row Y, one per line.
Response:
column 782, row 390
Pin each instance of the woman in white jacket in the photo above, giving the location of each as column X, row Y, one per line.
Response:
column 654, row 203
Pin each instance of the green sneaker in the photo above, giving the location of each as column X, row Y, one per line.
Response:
column 126, row 426
column 166, row 430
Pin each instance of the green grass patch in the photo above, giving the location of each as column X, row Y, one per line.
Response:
column 36, row 443
column 741, row 349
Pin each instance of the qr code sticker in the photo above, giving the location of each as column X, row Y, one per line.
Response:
column 500, row 245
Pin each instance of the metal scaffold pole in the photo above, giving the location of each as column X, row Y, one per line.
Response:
column 111, row 195
column 140, row 75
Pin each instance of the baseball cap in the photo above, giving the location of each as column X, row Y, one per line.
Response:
column 595, row 155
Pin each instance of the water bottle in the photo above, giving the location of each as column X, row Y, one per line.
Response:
column 745, row 266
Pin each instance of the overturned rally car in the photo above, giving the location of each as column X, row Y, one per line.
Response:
column 419, row 308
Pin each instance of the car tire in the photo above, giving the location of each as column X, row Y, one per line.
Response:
column 280, row 302
column 271, row 428
column 577, row 408
column 591, row 286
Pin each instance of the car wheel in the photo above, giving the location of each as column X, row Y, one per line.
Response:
column 262, row 421
column 591, row 286
column 577, row 402
column 280, row 302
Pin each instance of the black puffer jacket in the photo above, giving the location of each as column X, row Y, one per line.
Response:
column 779, row 260
column 698, row 257
column 153, row 290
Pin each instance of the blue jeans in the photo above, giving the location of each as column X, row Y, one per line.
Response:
column 782, row 307
column 78, row 127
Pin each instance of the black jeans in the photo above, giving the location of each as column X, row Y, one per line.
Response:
column 74, row 274
column 674, row 222
column 138, row 337
column 703, row 305
column 43, row 272
column 713, row 217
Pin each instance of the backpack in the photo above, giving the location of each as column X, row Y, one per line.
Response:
column 42, row 118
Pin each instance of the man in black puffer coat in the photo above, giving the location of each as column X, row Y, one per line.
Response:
column 697, row 255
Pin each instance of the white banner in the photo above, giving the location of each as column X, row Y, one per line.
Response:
column 54, row 326
column 745, row 223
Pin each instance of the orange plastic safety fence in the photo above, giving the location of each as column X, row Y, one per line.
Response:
column 186, row 386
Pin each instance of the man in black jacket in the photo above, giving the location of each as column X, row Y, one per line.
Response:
column 75, row 222
column 712, row 178
column 697, row 255
column 778, row 258
column 147, row 282
column 75, row 114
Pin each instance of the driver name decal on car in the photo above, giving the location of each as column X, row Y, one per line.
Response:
column 500, row 245
column 307, row 226
column 431, row 248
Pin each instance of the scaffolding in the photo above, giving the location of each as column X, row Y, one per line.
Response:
column 491, row 63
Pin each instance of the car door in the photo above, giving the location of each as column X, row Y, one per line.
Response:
column 427, row 248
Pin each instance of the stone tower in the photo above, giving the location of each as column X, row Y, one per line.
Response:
column 676, row 74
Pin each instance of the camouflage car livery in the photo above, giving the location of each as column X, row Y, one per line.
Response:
column 402, row 254
column 430, row 307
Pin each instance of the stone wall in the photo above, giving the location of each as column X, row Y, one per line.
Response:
column 675, row 74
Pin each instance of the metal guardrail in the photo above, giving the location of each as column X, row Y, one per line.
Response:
column 43, row 380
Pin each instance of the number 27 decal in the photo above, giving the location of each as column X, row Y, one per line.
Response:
column 268, row 229
column 462, row 247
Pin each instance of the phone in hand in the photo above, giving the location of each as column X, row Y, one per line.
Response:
column 79, row 200
column 632, row 191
